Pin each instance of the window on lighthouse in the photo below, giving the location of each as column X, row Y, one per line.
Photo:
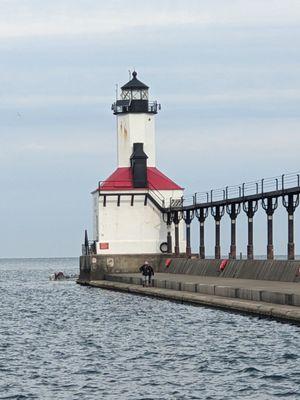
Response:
column 126, row 95
column 136, row 94
column 144, row 94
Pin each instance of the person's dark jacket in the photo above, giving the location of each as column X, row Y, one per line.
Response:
column 150, row 271
column 144, row 269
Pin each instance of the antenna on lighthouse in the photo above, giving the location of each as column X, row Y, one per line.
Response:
column 129, row 72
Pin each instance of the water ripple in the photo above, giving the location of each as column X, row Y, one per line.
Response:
column 64, row 341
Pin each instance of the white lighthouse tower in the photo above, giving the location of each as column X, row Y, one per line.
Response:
column 128, row 205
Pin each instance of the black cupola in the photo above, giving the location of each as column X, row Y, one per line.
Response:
column 138, row 162
column 134, row 98
column 135, row 89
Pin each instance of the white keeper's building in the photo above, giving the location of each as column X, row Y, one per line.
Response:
column 127, row 216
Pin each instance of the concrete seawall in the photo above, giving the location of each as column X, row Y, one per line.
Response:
column 256, row 286
column 95, row 267
column 273, row 270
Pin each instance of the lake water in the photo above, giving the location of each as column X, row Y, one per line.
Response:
column 59, row 340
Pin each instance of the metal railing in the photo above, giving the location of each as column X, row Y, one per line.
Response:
column 153, row 107
column 261, row 188
column 157, row 195
column 124, row 184
column 89, row 249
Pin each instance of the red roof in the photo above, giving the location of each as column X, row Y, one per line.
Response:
column 121, row 179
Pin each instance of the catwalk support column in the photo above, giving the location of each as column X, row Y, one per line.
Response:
column 269, row 204
column 217, row 212
column 250, row 207
column 201, row 214
column 233, row 211
column 291, row 202
column 188, row 216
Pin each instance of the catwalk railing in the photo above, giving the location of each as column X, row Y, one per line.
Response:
column 231, row 200
column 255, row 190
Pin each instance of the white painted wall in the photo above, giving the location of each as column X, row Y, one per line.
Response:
column 135, row 128
column 95, row 216
column 133, row 229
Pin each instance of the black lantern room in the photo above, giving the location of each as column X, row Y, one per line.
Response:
column 135, row 98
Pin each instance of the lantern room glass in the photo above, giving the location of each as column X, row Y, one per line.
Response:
column 134, row 94
column 144, row 94
column 126, row 95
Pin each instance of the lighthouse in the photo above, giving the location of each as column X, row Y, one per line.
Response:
column 128, row 206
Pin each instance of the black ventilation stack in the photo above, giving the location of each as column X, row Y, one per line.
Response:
column 138, row 162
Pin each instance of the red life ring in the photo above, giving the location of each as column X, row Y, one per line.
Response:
column 168, row 262
column 223, row 265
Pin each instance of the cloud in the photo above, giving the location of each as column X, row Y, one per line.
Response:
column 52, row 20
column 66, row 142
column 32, row 147
column 31, row 18
column 240, row 97
column 220, row 152
column 51, row 100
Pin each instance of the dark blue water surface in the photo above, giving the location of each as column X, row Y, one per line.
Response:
column 59, row 340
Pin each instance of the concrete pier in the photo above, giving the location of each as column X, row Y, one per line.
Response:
column 172, row 290
column 265, row 287
column 247, row 289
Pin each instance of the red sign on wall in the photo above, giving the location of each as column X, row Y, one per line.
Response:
column 104, row 246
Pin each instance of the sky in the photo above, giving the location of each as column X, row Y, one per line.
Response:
column 225, row 71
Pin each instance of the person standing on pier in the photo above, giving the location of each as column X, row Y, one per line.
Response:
column 150, row 275
column 144, row 271
column 147, row 273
